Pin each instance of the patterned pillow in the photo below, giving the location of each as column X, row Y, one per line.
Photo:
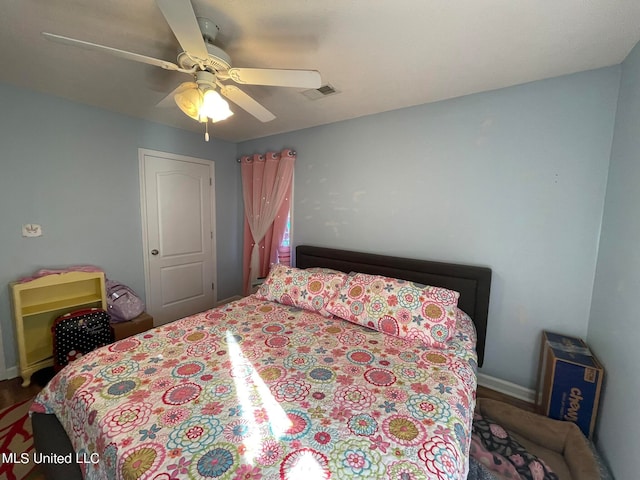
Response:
column 301, row 288
column 397, row 307
column 321, row 270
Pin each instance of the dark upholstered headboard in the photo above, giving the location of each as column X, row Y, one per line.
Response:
column 473, row 283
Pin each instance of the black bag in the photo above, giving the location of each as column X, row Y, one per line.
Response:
column 78, row 333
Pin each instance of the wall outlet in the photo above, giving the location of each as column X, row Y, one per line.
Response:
column 31, row 230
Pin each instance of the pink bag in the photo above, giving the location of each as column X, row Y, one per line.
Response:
column 122, row 303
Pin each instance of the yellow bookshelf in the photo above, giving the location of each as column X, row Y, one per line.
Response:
column 36, row 305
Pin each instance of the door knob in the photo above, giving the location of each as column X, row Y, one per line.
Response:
column 154, row 252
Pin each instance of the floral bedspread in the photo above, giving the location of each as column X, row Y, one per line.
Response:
column 258, row 390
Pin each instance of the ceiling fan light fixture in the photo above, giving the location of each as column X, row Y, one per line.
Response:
column 190, row 101
column 214, row 107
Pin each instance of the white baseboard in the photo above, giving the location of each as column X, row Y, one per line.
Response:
column 9, row 373
column 508, row 388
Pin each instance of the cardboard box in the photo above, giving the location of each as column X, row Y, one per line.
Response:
column 141, row 323
column 569, row 381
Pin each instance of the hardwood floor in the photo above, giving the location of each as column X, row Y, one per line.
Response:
column 12, row 392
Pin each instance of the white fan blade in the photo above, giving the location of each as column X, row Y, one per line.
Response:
column 136, row 57
column 169, row 100
column 275, row 77
column 182, row 20
column 247, row 103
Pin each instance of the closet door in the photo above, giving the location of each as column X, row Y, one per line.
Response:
column 177, row 196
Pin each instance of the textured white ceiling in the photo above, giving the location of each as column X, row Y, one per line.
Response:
column 380, row 54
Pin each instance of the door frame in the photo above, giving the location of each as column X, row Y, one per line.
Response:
column 142, row 152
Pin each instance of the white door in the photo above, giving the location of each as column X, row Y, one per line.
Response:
column 177, row 200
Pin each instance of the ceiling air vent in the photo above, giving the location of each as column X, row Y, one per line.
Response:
column 323, row 91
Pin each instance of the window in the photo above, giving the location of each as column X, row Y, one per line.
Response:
column 284, row 250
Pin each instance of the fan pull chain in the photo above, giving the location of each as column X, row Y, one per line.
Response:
column 206, row 130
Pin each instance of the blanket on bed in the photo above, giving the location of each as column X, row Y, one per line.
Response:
column 258, row 389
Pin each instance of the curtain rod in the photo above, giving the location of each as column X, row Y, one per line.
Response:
column 239, row 159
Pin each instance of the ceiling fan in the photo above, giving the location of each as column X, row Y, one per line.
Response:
column 209, row 66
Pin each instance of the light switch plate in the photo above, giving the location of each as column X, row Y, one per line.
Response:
column 31, row 230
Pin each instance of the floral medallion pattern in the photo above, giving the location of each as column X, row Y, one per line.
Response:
column 261, row 390
column 398, row 308
column 310, row 290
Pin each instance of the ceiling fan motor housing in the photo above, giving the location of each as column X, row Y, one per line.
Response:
column 205, row 80
column 218, row 60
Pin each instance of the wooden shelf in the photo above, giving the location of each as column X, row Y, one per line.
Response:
column 39, row 354
column 64, row 303
column 36, row 305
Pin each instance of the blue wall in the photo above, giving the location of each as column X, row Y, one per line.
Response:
column 513, row 179
column 74, row 170
column 614, row 328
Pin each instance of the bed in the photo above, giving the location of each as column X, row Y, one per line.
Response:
column 264, row 388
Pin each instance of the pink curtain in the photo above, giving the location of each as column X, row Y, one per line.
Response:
column 266, row 190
